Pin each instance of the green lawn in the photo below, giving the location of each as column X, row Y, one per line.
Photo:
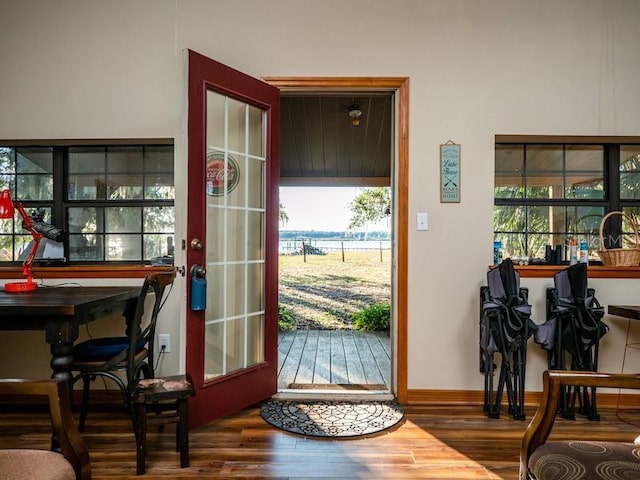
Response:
column 324, row 291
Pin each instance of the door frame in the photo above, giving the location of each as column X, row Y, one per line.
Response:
column 400, row 86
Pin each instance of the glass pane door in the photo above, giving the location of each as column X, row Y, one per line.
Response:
column 235, row 239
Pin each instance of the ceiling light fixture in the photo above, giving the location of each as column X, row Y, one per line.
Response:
column 355, row 113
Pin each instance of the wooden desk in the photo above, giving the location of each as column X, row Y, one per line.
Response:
column 59, row 311
column 630, row 312
column 627, row 311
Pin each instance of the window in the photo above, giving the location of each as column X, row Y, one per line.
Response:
column 116, row 202
column 548, row 191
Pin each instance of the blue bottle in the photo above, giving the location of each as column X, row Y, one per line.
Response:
column 584, row 251
column 497, row 253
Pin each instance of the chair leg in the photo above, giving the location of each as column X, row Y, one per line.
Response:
column 506, row 380
column 492, row 410
column 494, row 407
column 182, row 432
column 86, row 383
column 488, row 376
column 519, row 372
column 139, row 418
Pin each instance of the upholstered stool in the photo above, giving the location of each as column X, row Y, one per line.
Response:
column 159, row 401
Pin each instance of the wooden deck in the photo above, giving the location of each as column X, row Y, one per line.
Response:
column 310, row 359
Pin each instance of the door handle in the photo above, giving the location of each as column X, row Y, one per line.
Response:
column 196, row 244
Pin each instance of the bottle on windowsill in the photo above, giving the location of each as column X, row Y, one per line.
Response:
column 573, row 251
column 584, row 251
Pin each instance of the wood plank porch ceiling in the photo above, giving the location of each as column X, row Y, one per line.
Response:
column 320, row 146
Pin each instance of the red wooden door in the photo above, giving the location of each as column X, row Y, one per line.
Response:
column 232, row 234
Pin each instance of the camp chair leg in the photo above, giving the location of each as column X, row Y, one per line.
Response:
column 488, row 379
column 507, row 381
column 491, row 401
column 518, row 413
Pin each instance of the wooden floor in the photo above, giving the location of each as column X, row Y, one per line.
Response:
column 338, row 357
column 433, row 442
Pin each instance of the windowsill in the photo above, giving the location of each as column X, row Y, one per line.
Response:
column 594, row 271
column 85, row 271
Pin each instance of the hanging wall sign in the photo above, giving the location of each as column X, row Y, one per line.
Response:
column 216, row 185
column 450, row 173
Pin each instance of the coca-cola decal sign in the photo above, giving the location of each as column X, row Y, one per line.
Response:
column 217, row 184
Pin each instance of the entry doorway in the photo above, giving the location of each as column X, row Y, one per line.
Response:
column 397, row 90
column 334, row 290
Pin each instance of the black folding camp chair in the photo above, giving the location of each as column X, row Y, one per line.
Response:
column 571, row 335
column 505, row 327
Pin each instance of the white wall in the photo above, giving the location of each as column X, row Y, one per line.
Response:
column 95, row 69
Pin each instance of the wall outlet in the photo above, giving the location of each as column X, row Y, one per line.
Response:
column 164, row 340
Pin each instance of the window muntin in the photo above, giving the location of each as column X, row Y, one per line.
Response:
column 509, row 171
column 630, row 172
column 118, row 200
column 548, row 193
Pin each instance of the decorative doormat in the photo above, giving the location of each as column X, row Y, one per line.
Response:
column 332, row 418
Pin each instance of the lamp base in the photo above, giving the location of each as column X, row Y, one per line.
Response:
column 19, row 287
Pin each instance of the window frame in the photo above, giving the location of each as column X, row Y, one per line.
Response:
column 59, row 204
column 611, row 200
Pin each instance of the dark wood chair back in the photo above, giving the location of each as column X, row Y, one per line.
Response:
column 141, row 331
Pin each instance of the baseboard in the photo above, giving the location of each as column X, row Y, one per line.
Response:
column 476, row 397
column 414, row 397
column 97, row 397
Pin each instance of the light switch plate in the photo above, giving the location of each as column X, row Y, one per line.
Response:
column 422, row 221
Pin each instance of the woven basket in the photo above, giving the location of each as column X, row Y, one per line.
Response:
column 619, row 257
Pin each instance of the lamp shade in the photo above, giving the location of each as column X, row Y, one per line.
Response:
column 6, row 205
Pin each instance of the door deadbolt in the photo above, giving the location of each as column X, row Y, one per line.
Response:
column 196, row 244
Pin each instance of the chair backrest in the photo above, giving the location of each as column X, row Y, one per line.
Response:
column 571, row 283
column 504, row 284
column 574, row 297
column 68, row 437
column 506, row 304
column 142, row 326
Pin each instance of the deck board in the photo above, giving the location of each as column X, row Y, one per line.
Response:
column 369, row 363
column 308, row 359
column 355, row 367
column 290, row 365
column 338, row 360
column 322, row 372
column 337, row 357
column 382, row 358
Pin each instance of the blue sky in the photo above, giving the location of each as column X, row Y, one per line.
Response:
column 319, row 208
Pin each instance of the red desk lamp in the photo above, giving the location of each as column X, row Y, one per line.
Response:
column 7, row 210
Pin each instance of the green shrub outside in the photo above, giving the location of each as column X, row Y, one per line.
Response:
column 285, row 318
column 374, row 317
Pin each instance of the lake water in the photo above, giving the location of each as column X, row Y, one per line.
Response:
column 290, row 246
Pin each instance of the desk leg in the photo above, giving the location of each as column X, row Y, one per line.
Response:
column 61, row 360
column 61, row 337
column 61, row 341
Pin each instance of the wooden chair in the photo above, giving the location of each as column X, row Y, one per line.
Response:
column 72, row 463
column 542, row 460
column 132, row 354
column 161, row 401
